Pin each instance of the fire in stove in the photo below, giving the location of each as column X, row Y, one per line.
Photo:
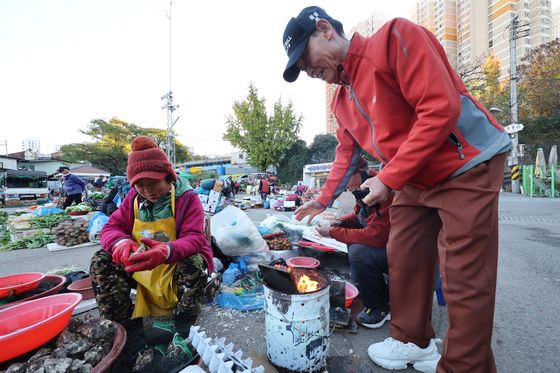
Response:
column 307, row 285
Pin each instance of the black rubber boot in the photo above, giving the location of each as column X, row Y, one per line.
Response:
column 135, row 342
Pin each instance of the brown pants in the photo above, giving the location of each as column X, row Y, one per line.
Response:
column 457, row 221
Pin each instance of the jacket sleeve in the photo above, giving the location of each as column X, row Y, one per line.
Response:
column 376, row 233
column 427, row 85
column 78, row 180
column 347, row 156
column 349, row 221
column 191, row 238
column 120, row 224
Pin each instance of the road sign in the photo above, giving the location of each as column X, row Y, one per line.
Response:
column 514, row 127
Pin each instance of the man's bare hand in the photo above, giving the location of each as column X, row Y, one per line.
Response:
column 311, row 209
column 378, row 192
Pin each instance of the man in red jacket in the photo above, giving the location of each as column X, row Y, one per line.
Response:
column 366, row 234
column 399, row 99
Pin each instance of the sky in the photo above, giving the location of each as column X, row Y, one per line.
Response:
column 64, row 63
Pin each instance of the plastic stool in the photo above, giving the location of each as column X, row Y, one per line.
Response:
column 438, row 290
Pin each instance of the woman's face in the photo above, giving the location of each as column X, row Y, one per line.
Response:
column 151, row 189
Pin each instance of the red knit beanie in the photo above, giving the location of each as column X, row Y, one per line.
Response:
column 147, row 161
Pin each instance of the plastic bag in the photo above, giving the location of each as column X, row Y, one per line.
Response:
column 98, row 220
column 245, row 302
column 274, row 223
column 43, row 210
column 235, row 233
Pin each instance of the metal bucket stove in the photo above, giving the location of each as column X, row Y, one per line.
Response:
column 297, row 324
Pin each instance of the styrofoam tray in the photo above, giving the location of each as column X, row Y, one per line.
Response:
column 56, row 247
column 310, row 233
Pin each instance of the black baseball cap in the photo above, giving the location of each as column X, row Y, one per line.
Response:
column 296, row 34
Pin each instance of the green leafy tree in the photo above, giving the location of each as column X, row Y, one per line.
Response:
column 264, row 137
column 323, row 148
column 290, row 167
column 111, row 144
column 540, row 82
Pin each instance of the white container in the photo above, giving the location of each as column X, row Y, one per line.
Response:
column 297, row 329
column 284, row 254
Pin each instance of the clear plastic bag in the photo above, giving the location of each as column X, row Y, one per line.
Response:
column 235, row 233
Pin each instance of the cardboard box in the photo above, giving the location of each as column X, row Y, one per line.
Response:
column 203, row 198
column 213, row 201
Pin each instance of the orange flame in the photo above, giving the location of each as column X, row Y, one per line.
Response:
column 306, row 285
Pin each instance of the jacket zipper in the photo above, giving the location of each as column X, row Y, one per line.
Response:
column 362, row 111
column 455, row 140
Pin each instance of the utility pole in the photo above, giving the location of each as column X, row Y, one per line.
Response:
column 515, row 32
column 169, row 106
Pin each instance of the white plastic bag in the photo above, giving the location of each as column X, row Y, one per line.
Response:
column 236, row 234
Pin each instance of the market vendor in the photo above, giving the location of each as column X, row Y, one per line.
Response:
column 155, row 243
column 366, row 234
column 74, row 186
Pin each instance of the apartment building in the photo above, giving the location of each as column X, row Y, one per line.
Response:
column 482, row 27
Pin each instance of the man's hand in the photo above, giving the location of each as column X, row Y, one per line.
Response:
column 150, row 259
column 311, row 209
column 323, row 231
column 122, row 251
column 378, row 192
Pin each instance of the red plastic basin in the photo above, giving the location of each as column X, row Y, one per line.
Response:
column 28, row 325
column 303, row 262
column 57, row 283
column 16, row 284
column 83, row 287
column 351, row 293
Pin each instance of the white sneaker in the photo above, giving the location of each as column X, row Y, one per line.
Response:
column 393, row 354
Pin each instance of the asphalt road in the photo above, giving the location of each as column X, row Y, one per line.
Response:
column 526, row 329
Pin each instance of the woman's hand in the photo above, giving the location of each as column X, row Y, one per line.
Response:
column 323, row 231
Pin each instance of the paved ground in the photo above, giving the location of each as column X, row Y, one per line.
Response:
column 526, row 337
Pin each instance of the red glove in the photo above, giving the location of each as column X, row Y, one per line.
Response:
column 149, row 259
column 122, row 251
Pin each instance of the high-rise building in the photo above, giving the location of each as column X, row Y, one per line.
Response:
column 472, row 30
column 364, row 28
column 440, row 17
column 482, row 27
column 31, row 143
column 533, row 16
column 555, row 24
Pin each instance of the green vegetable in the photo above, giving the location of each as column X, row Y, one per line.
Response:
column 49, row 221
column 33, row 242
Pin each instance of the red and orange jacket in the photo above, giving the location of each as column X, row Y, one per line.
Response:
column 401, row 101
column 374, row 231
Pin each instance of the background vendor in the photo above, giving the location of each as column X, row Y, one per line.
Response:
column 165, row 215
column 366, row 233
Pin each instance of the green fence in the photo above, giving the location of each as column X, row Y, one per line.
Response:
column 539, row 187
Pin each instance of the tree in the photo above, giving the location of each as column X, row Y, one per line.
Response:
column 263, row 137
column 111, row 144
column 323, row 148
column 540, row 81
column 290, row 167
column 492, row 87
